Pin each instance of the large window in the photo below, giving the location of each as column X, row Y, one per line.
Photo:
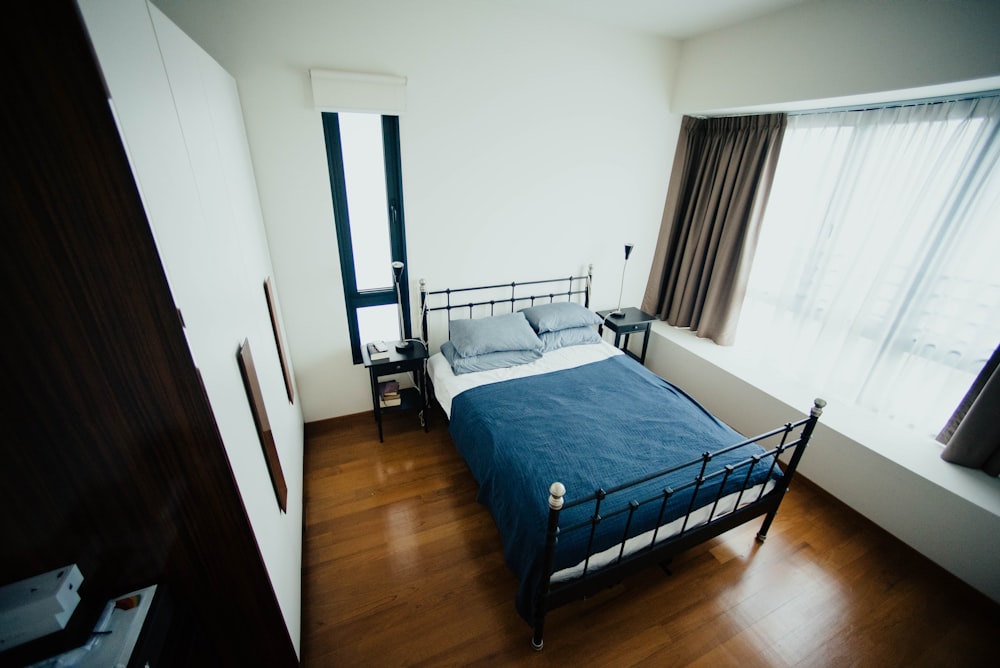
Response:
column 364, row 162
column 876, row 279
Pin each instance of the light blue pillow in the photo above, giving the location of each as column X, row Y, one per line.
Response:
column 572, row 336
column 486, row 361
column 497, row 333
column 559, row 315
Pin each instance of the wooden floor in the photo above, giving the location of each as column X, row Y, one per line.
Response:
column 403, row 567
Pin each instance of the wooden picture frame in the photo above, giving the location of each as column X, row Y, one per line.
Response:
column 272, row 309
column 256, row 399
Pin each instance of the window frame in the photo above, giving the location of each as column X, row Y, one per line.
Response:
column 354, row 298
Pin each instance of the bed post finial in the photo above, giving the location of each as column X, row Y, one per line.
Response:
column 818, row 406
column 557, row 491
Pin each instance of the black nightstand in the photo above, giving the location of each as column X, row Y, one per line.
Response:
column 415, row 360
column 631, row 322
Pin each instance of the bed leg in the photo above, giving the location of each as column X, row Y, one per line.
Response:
column 814, row 415
column 536, row 640
column 762, row 534
column 556, row 493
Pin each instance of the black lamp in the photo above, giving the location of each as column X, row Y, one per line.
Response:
column 397, row 275
column 618, row 313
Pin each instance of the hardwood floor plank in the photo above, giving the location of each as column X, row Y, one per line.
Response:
column 401, row 566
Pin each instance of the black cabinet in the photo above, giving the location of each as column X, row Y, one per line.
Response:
column 631, row 321
column 412, row 360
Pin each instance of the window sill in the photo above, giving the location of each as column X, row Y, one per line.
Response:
column 920, row 455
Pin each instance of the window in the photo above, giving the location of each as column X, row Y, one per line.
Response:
column 365, row 179
column 875, row 279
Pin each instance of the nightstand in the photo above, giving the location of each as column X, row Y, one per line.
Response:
column 412, row 360
column 631, row 322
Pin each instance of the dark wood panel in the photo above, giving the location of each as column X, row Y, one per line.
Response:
column 402, row 566
column 111, row 455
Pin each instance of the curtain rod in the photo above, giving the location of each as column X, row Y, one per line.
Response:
column 955, row 97
column 958, row 97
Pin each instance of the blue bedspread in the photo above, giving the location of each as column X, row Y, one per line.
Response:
column 594, row 426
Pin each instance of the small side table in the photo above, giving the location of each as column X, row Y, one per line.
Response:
column 415, row 360
column 631, row 322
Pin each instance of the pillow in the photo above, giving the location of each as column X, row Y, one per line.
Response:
column 559, row 315
column 497, row 333
column 572, row 336
column 496, row 360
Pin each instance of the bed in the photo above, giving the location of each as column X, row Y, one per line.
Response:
column 591, row 465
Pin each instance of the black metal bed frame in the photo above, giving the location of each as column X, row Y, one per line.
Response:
column 575, row 286
column 792, row 439
column 554, row 595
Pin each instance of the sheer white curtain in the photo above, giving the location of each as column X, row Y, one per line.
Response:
column 877, row 274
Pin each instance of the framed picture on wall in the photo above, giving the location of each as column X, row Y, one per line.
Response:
column 256, row 399
column 272, row 309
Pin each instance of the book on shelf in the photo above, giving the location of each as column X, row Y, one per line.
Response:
column 377, row 350
column 388, row 393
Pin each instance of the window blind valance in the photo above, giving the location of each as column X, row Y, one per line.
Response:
column 353, row 91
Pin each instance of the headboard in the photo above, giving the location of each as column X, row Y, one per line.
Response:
column 485, row 300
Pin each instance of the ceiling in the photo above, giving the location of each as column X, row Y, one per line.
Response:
column 678, row 19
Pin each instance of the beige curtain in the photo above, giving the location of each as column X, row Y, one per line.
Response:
column 972, row 436
column 721, row 178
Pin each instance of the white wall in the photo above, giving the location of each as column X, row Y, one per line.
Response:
column 530, row 146
column 830, row 49
column 179, row 115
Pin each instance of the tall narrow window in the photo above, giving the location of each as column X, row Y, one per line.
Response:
column 363, row 158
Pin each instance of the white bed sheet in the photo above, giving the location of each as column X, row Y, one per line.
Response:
column 447, row 385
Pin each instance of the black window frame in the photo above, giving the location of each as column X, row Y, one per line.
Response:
column 355, row 298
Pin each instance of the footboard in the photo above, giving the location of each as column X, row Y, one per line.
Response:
column 721, row 498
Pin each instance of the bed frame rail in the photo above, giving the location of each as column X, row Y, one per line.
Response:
column 791, row 440
column 506, row 296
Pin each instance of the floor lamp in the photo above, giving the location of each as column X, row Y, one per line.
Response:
column 397, row 275
column 618, row 313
